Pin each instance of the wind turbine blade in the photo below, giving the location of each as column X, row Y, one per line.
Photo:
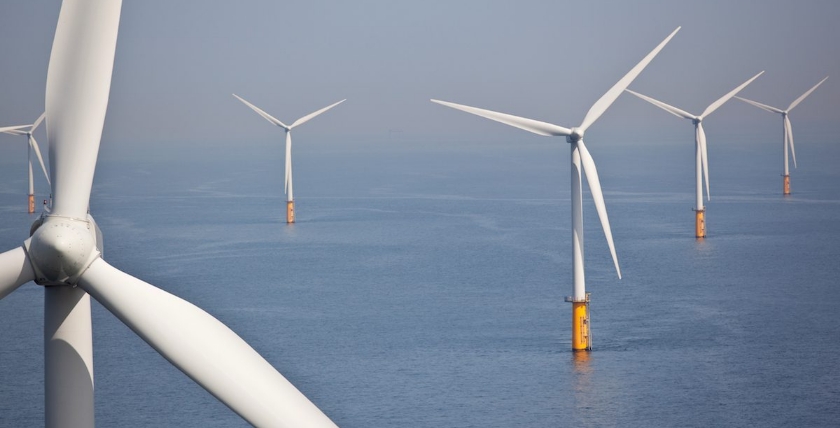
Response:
column 37, row 151
column 802, row 97
column 78, row 85
column 714, row 106
column 670, row 109
column 265, row 115
column 38, row 122
column 9, row 129
column 761, row 106
column 608, row 98
column 288, row 161
column 15, row 270
column 203, row 348
column 306, row 118
column 704, row 157
column 595, row 187
column 530, row 125
column 789, row 132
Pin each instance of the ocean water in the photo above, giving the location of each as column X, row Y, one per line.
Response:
column 423, row 284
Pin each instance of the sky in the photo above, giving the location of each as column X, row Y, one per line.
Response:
column 178, row 63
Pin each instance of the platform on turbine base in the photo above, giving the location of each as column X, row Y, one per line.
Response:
column 786, row 185
column 571, row 300
column 700, row 223
column 290, row 212
column 581, row 324
column 31, row 204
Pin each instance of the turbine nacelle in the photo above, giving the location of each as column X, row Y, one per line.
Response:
column 61, row 249
column 575, row 136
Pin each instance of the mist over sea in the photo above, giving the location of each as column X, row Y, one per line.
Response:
column 423, row 284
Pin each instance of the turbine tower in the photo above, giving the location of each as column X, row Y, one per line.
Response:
column 787, row 132
column 287, row 187
column 581, row 161
column 64, row 254
column 28, row 130
column 701, row 165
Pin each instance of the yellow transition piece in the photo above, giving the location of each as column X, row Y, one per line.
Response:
column 581, row 335
column 700, row 223
column 290, row 212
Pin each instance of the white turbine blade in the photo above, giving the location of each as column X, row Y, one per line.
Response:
column 789, row 133
column 704, row 157
column 670, row 109
column 203, row 348
column 288, row 161
column 265, row 115
column 309, row 116
column 761, row 106
column 78, row 85
column 595, row 187
column 608, row 98
column 530, row 125
column 38, row 122
column 15, row 270
column 11, row 129
column 802, row 97
column 714, row 106
column 37, row 151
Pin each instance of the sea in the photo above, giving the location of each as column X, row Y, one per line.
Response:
column 423, row 283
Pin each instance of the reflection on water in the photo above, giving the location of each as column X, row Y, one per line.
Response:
column 582, row 371
column 580, row 361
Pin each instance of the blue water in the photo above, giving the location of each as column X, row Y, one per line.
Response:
column 423, row 284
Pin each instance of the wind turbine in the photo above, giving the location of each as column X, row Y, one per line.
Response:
column 701, row 165
column 287, row 187
column 64, row 254
column 581, row 159
column 787, row 132
column 28, row 130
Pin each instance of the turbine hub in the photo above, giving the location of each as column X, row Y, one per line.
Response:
column 576, row 135
column 61, row 249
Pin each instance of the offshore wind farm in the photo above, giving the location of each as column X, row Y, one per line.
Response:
column 423, row 283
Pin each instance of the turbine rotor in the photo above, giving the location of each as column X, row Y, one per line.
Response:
column 575, row 136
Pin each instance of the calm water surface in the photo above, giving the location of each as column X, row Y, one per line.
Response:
column 423, row 285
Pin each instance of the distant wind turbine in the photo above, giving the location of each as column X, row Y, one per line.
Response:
column 287, row 187
column 581, row 160
column 701, row 168
column 64, row 255
column 787, row 132
column 32, row 145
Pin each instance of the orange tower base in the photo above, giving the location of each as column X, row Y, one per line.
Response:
column 700, row 223
column 581, row 333
column 31, row 204
column 786, row 185
column 290, row 212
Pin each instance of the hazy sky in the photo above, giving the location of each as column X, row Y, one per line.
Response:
column 179, row 61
